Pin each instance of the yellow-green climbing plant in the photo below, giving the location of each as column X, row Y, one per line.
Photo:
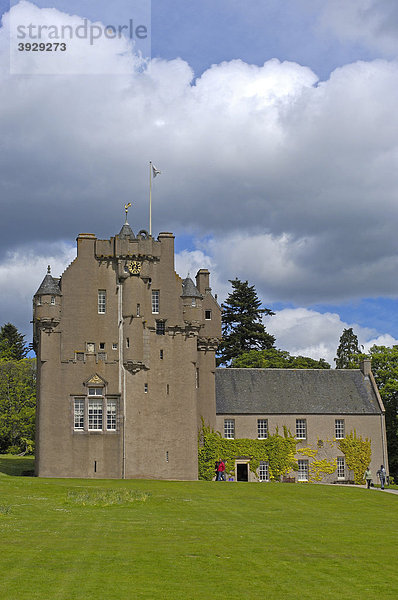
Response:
column 357, row 452
column 277, row 450
column 318, row 467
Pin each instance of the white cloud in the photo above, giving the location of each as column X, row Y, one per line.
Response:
column 310, row 333
column 290, row 181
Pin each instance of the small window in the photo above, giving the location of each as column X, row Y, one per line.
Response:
column 167, row 456
column 95, row 391
column 111, row 415
column 138, row 310
column 302, row 470
column 95, row 414
column 160, row 327
column 127, row 342
column 340, row 467
column 208, row 315
column 229, row 428
column 79, row 413
column 102, row 356
column 102, row 345
column 339, row 429
column 263, row 471
column 114, row 346
column 262, row 428
column 52, row 299
column 301, row 429
column 38, row 301
column 90, row 347
column 79, row 356
column 155, row 301
column 193, row 302
column 101, row 302
column 167, row 389
column 145, row 388
column 161, row 354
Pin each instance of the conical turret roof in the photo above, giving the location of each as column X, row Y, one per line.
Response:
column 126, row 232
column 49, row 286
column 189, row 289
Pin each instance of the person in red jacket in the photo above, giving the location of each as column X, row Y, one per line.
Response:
column 221, row 471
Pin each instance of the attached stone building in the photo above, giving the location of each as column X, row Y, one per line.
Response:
column 126, row 372
column 318, row 406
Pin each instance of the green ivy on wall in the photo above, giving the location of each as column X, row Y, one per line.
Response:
column 277, row 450
column 318, row 467
column 357, row 452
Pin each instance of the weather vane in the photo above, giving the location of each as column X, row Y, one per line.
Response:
column 126, row 208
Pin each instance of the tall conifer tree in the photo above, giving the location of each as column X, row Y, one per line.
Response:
column 12, row 343
column 242, row 326
column 348, row 352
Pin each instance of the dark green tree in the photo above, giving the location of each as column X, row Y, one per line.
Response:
column 12, row 343
column 385, row 371
column 348, row 352
column 242, row 326
column 277, row 359
column 17, row 405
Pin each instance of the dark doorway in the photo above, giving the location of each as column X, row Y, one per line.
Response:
column 242, row 472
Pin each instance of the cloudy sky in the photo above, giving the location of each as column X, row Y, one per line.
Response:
column 275, row 126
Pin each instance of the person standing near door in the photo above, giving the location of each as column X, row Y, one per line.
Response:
column 221, row 471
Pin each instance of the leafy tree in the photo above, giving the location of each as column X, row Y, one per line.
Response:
column 348, row 352
column 385, row 371
column 242, row 326
column 12, row 343
column 277, row 359
column 17, row 405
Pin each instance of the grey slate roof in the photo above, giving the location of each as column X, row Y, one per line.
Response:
column 49, row 286
column 126, row 232
column 294, row 391
column 189, row 289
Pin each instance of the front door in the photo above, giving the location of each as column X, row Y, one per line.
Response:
column 242, row 472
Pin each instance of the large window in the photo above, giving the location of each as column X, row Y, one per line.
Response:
column 263, row 471
column 301, row 429
column 339, row 429
column 229, row 428
column 340, row 467
column 262, row 428
column 101, row 302
column 302, row 470
column 95, row 414
column 155, row 301
column 111, row 415
column 79, row 413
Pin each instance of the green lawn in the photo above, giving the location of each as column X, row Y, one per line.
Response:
column 103, row 540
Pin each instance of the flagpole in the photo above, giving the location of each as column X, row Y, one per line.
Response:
column 150, row 197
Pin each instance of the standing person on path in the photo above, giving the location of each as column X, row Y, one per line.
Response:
column 368, row 477
column 382, row 476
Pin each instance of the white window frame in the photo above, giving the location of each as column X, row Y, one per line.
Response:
column 340, row 467
column 301, row 429
column 95, row 412
column 78, row 414
column 111, row 414
column 101, row 302
column 263, row 471
column 155, row 302
column 229, row 429
column 303, row 469
column 262, row 429
column 339, row 429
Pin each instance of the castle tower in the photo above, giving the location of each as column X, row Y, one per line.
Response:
column 126, row 361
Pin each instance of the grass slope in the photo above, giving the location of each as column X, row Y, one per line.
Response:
column 88, row 539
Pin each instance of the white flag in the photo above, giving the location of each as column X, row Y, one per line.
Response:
column 155, row 171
